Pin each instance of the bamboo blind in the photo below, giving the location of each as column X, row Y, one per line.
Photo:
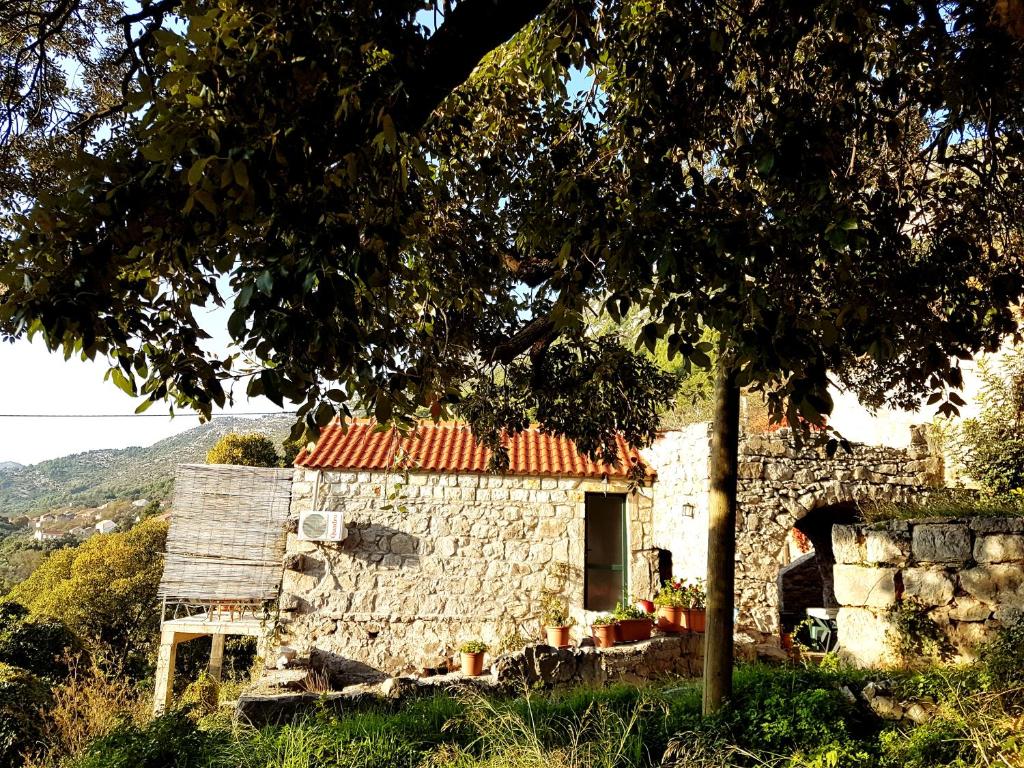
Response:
column 227, row 534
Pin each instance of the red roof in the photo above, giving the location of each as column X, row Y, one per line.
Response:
column 450, row 447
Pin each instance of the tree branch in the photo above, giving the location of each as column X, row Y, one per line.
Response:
column 470, row 31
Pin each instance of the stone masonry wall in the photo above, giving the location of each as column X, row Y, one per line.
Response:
column 967, row 574
column 780, row 483
column 459, row 556
column 680, row 497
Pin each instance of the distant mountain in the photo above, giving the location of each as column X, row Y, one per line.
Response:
column 95, row 477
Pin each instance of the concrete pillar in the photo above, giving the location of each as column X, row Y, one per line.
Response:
column 165, row 659
column 216, row 656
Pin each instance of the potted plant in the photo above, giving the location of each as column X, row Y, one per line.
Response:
column 698, row 598
column 632, row 623
column 647, row 606
column 673, row 607
column 603, row 630
column 473, row 657
column 557, row 621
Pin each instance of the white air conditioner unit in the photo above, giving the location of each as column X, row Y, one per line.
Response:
column 322, row 525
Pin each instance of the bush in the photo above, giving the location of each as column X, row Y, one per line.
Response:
column 42, row 647
column 1003, row 658
column 105, row 591
column 169, row 741
column 251, row 450
column 88, row 706
column 23, row 698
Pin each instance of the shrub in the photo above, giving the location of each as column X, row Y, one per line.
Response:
column 1003, row 658
column 88, row 706
column 42, row 647
column 914, row 636
column 104, row 591
column 250, row 450
column 23, row 698
column 169, row 741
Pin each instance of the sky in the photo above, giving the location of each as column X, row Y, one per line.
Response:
column 33, row 381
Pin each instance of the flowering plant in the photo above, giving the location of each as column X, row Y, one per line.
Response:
column 696, row 594
column 629, row 612
column 602, row 620
column 672, row 595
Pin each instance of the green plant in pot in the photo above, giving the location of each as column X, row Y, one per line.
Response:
column 632, row 623
column 556, row 619
column 697, row 597
column 472, row 652
column 603, row 630
column 673, row 606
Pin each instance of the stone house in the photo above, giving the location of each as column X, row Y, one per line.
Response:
column 439, row 551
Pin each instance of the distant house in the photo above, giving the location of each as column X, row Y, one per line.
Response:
column 43, row 534
column 106, row 526
column 81, row 532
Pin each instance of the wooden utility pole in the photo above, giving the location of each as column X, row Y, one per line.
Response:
column 721, row 580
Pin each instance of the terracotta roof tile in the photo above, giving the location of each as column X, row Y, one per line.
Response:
column 450, row 447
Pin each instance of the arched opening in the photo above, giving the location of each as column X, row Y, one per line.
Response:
column 805, row 581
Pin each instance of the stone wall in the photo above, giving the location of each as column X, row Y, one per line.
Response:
column 680, row 497
column 457, row 556
column 967, row 574
column 780, row 484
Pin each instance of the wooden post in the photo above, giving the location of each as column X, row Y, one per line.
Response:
column 216, row 657
column 721, row 578
column 164, row 687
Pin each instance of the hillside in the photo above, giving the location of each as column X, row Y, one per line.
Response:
column 94, row 477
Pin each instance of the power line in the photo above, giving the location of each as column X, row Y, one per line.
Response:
column 184, row 414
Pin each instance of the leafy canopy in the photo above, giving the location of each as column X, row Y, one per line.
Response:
column 250, row 450
column 419, row 216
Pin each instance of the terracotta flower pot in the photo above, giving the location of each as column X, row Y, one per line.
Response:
column 473, row 664
column 631, row 630
column 557, row 636
column 647, row 606
column 604, row 635
column 698, row 619
column 673, row 619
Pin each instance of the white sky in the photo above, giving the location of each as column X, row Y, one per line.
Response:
column 34, row 381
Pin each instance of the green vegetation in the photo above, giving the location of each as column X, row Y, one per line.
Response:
column 253, row 449
column 473, row 646
column 23, row 700
column 792, row 717
column 991, row 446
column 104, row 590
column 949, row 502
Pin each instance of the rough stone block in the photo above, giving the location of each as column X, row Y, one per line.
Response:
column 890, row 547
column 929, row 586
column 970, row 609
column 989, row 524
column 846, row 544
column 862, row 635
column 998, row 583
column 859, row 586
column 941, row 543
column 999, row 548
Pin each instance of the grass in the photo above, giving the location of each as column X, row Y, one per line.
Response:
column 947, row 503
column 793, row 717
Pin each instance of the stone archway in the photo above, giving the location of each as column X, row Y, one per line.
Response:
column 807, row 581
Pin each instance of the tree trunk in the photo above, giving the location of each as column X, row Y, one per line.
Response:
column 718, row 638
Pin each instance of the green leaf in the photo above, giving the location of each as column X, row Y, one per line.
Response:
column 195, row 173
column 123, row 382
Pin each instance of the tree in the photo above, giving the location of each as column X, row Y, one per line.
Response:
column 250, row 450
column 831, row 188
column 105, row 591
column 992, row 444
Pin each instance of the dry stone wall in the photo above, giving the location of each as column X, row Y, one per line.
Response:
column 455, row 557
column 965, row 574
column 780, row 483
